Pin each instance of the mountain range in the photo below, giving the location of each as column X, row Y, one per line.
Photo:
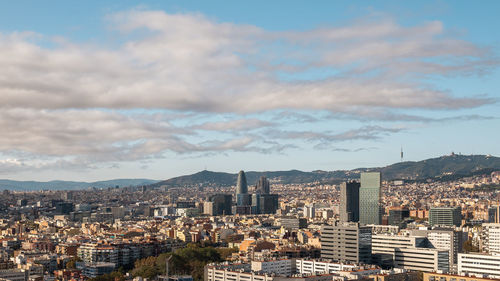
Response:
column 441, row 168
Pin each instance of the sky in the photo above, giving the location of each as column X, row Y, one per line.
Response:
column 95, row 90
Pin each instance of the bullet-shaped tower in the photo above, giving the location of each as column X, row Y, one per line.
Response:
column 241, row 184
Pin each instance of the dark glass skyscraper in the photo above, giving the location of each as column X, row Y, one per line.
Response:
column 349, row 201
column 369, row 198
column 221, row 204
column 241, row 184
column 262, row 186
column 242, row 196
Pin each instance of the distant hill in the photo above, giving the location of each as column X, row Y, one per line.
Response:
column 440, row 168
column 70, row 185
column 444, row 167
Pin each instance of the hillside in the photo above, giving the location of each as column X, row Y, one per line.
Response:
column 444, row 167
column 450, row 166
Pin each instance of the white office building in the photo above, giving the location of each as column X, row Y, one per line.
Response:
column 384, row 245
column 281, row 267
column 480, row 265
column 321, row 267
column 422, row 259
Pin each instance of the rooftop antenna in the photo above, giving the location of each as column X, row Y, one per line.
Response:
column 402, row 154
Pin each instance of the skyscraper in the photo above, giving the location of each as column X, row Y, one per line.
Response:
column 242, row 196
column 349, row 201
column 241, row 184
column 369, row 198
column 262, row 186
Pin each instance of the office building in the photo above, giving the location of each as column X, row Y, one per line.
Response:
column 481, row 265
column 262, row 186
column 444, row 238
column 397, row 216
column 346, row 242
column 422, row 259
column 384, row 245
column 241, row 184
column 445, row 216
column 321, row 267
column 349, row 201
column 268, row 203
column 369, row 198
column 221, row 204
column 242, row 196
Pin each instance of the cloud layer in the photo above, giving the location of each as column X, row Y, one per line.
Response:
column 146, row 95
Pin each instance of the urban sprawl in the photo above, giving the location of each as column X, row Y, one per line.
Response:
column 365, row 229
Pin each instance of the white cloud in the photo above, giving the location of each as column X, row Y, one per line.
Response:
column 75, row 100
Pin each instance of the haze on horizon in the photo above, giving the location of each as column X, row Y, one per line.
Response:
column 99, row 90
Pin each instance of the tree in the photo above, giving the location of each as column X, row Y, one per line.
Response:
column 469, row 247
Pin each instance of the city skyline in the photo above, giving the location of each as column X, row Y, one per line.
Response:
column 101, row 90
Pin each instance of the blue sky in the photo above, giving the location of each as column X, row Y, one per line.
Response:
column 96, row 90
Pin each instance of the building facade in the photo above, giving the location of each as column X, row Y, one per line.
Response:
column 369, row 198
column 349, row 201
column 346, row 242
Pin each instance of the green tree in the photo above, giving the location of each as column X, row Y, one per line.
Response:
column 469, row 247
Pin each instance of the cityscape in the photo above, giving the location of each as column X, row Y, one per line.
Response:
column 249, row 141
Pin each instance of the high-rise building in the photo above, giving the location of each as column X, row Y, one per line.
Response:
column 262, row 186
column 268, row 203
column 397, row 216
column 445, row 216
column 221, row 204
column 346, row 242
column 242, row 196
column 369, row 198
column 241, row 184
column 349, row 201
